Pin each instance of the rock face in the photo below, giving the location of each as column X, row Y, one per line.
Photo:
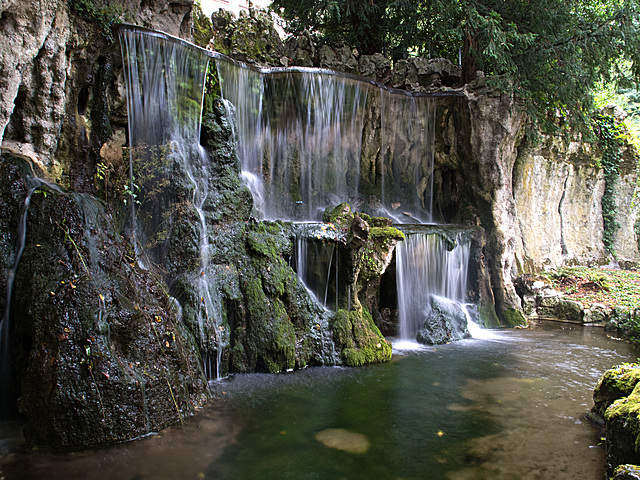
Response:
column 558, row 188
column 60, row 92
column 101, row 354
column 617, row 400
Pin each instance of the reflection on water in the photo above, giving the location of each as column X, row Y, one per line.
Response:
column 509, row 407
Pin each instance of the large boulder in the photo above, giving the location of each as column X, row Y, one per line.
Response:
column 445, row 321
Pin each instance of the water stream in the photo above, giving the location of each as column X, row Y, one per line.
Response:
column 512, row 406
column 165, row 89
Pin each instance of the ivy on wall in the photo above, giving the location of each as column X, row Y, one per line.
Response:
column 610, row 134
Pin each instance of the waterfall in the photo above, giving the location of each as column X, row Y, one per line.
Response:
column 165, row 79
column 300, row 133
column 428, row 264
column 407, row 144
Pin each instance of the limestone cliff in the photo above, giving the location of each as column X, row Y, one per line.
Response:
column 558, row 188
column 60, row 78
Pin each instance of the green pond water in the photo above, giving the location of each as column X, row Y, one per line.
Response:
column 509, row 407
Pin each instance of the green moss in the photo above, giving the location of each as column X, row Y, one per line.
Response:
column 512, row 317
column 488, row 315
column 268, row 239
column 616, row 383
column 359, row 339
column 384, row 233
column 340, row 215
column 627, row 411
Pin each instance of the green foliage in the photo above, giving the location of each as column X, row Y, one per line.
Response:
column 550, row 53
column 627, row 98
column 594, row 285
column 103, row 13
column 202, row 26
column 609, row 133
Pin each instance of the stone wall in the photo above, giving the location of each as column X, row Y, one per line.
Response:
column 61, row 91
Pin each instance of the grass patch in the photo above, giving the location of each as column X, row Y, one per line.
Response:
column 596, row 285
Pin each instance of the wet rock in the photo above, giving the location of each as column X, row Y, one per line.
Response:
column 596, row 314
column 445, row 321
column 358, row 338
column 569, row 310
column 626, row 472
column 100, row 355
column 617, row 399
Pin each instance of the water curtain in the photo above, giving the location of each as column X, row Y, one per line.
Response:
column 165, row 80
column 429, row 264
column 300, row 138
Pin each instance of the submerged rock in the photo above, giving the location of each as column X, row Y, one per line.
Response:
column 445, row 321
column 344, row 440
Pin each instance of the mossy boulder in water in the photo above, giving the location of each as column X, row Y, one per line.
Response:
column 617, row 399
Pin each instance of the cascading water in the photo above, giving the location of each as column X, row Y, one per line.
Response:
column 165, row 81
column 407, row 143
column 428, row 264
column 299, row 134
column 317, row 266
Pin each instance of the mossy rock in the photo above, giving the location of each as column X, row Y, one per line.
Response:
column 615, row 384
column 512, row 317
column 622, row 421
column 359, row 339
column 626, row 472
column 386, row 233
column 340, row 215
column 268, row 239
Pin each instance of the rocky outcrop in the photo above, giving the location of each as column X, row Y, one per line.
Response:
column 617, row 401
column 61, row 97
column 558, row 189
column 100, row 352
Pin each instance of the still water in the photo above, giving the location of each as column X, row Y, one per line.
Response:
column 511, row 406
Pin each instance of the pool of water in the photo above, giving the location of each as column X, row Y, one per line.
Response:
column 511, row 406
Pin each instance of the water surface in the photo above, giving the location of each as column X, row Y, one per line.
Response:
column 508, row 407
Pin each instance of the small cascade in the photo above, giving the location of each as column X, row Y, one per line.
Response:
column 300, row 133
column 315, row 260
column 406, row 181
column 428, row 265
column 165, row 81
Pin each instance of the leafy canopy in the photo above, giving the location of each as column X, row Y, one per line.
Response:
column 551, row 52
